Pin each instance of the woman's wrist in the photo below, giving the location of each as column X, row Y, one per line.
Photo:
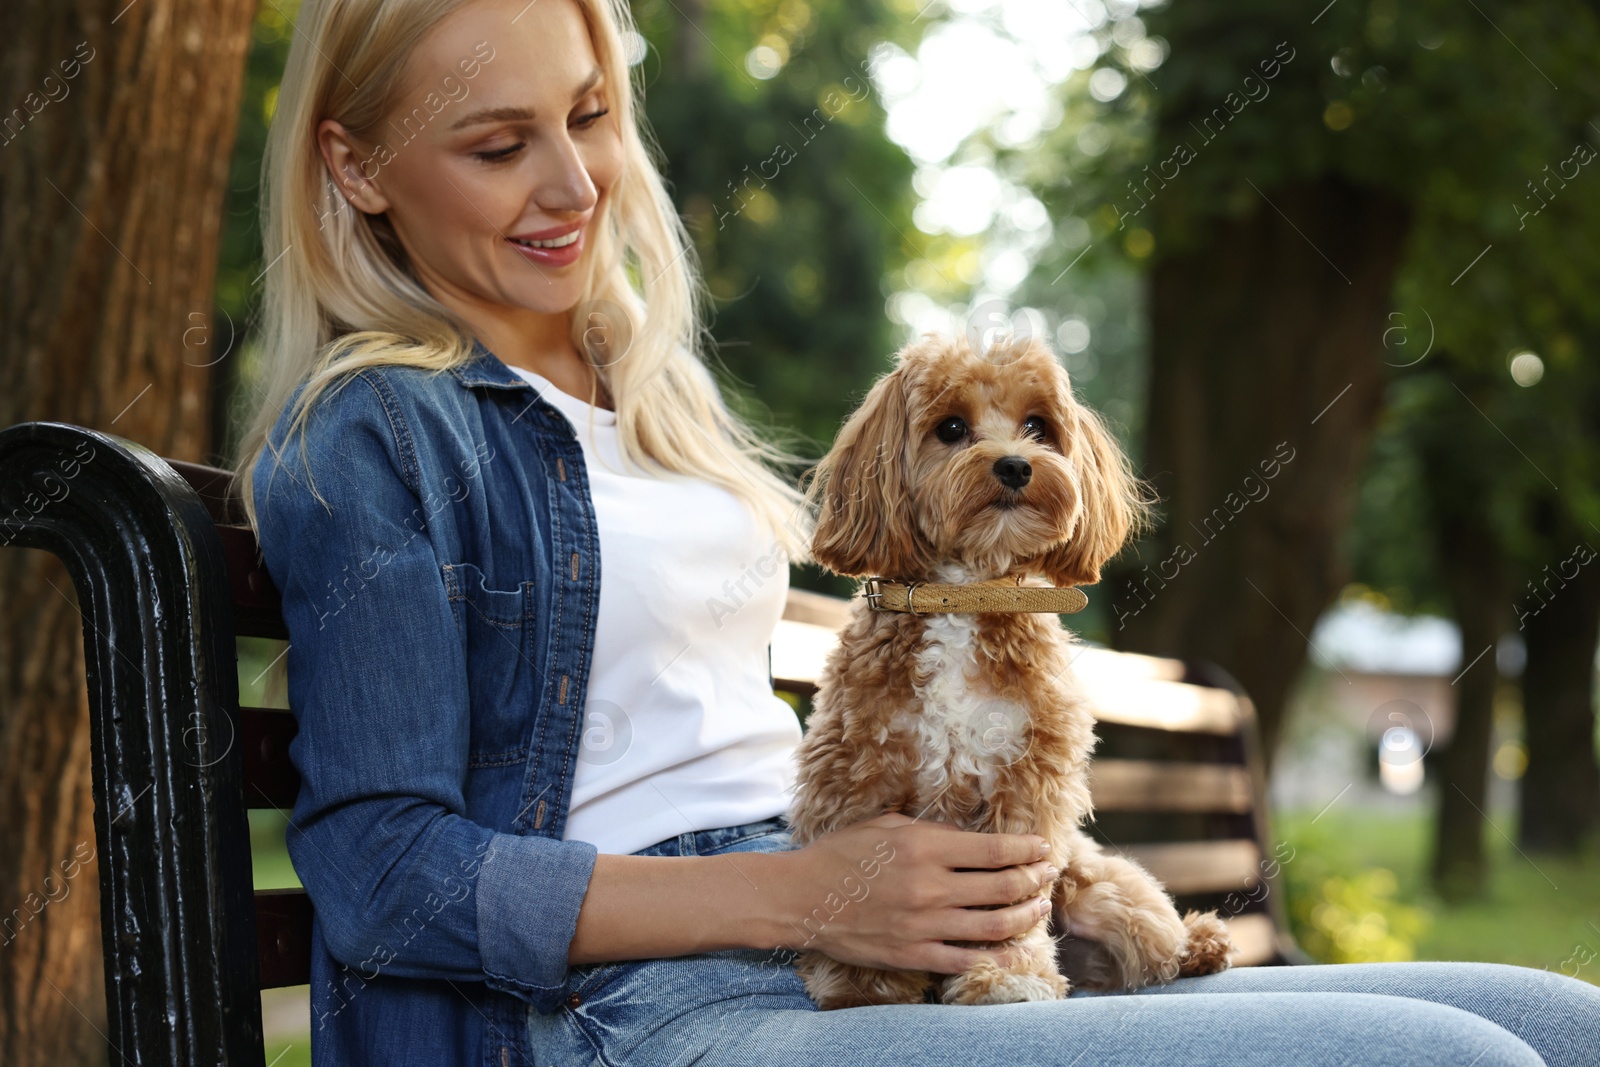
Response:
column 770, row 921
column 640, row 907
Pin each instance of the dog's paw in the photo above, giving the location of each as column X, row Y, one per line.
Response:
column 1208, row 946
column 988, row 984
column 833, row 985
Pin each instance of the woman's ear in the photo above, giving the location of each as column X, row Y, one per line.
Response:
column 867, row 525
column 349, row 168
column 1113, row 504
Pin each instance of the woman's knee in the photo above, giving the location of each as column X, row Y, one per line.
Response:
column 1536, row 980
column 1424, row 1031
column 1200, row 1030
column 1378, row 1028
column 1555, row 1013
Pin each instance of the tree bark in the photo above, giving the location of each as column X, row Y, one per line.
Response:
column 1475, row 573
column 116, row 123
column 1561, row 619
column 1265, row 349
column 690, row 41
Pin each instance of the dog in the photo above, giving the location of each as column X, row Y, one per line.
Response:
column 968, row 467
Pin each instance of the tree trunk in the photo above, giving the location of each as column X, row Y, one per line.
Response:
column 117, row 123
column 1266, row 383
column 690, row 42
column 1474, row 571
column 1561, row 619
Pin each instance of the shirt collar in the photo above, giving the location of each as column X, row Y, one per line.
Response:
column 485, row 368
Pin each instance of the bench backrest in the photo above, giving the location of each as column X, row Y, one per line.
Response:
column 169, row 575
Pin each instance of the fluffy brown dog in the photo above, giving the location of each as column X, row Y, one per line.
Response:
column 961, row 467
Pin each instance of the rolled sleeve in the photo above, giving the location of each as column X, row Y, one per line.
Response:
column 402, row 881
column 526, row 935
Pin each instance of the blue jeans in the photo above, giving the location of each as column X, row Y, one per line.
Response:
column 744, row 1008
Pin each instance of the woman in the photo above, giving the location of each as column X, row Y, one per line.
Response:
column 530, row 565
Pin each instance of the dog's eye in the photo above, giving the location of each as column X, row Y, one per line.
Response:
column 1034, row 426
column 951, row 430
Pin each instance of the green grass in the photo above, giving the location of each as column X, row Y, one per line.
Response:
column 296, row 1053
column 268, row 853
column 1538, row 911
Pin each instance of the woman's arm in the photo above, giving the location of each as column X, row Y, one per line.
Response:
column 883, row 893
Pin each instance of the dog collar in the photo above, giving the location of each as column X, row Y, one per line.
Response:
column 996, row 595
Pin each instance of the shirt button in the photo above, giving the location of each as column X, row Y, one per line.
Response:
column 574, row 1001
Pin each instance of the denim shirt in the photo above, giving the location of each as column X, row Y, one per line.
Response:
column 441, row 619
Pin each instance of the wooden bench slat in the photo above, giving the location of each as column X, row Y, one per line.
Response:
column 798, row 652
column 1168, row 785
column 270, row 780
column 1254, row 937
column 1089, row 660
column 257, row 607
column 283, row 937
column 1161, row 704
column 214, row 487
column 816, row 609
column 1124, row 687
column 1200, row 866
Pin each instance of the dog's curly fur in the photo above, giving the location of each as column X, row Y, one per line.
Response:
column 975, row 719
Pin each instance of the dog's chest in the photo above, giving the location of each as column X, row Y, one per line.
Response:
column 964, row 734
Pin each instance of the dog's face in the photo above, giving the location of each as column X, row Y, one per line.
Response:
column 985, row 461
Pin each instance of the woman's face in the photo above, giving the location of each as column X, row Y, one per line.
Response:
column 499, row 138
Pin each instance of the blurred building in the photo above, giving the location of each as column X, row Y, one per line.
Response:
column 1375, row 704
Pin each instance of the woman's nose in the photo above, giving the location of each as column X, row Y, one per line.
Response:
column 566, row 185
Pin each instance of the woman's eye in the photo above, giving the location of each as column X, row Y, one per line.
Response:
column 951, row 430
column 592, row 117
column 1034, row 426
column 500, row 155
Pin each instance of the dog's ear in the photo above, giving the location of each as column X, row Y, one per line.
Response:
column 1113, row 505
column 866, row 525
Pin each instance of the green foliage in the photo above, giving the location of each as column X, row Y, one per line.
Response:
column 798, row 202
column 240, row 262
column 1442, row 451
column 1358, row 920
column 1345, row 914
column 1438, row 105
column 1433, row 104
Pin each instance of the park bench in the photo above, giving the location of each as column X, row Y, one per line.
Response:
column 168, row 580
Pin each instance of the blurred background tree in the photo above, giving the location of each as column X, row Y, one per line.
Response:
column 799, row 207
column 1304, row 189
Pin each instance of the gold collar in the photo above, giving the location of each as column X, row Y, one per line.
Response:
column 995, row 595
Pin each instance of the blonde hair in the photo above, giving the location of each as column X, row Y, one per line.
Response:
column 338, row 298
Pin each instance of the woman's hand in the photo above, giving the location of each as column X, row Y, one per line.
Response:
column 890, row 891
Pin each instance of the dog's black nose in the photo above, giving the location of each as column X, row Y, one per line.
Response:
column 1013, row 471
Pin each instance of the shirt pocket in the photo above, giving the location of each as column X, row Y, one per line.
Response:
column 496, row 628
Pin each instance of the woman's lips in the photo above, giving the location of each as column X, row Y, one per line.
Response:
column 551, row 257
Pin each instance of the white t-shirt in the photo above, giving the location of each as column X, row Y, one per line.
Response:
column 682, row 730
